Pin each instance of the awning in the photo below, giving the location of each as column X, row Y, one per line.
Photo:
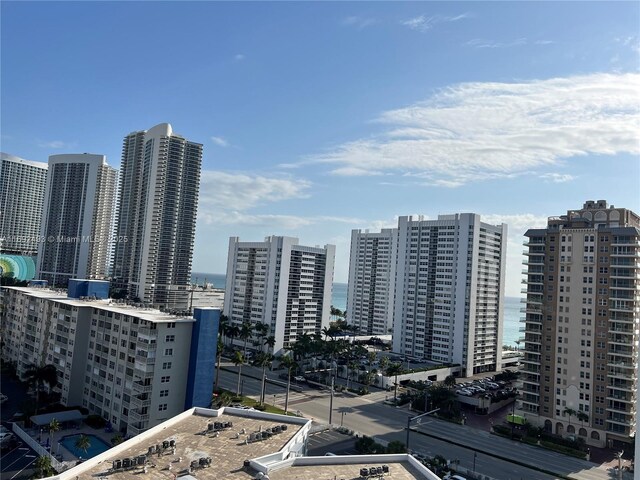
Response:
column 61, row 417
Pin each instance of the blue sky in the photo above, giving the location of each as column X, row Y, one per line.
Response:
column 317, row 118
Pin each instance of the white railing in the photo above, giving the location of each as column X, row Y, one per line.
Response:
column 39, row 449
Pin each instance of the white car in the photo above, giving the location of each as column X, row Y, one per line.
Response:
column 448, row 476
column 299, row 379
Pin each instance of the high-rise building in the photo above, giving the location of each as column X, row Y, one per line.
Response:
column 281, row 284
column 134, row 367
column 449, row 293
column 581, row 324
column 76, row 221
column 372, row 269
column 156, row 218
column 22, row 185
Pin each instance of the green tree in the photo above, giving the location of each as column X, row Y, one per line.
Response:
column 54, row 426
column 43, row 467
column 396, row 446
column 37, row 376
column 116, row 439
column 269, row 342
column 232, row 331
column 245, row 334
column 394, row 370
column 238, row 360
column 83, row 443
column 450, row 381
column 569, row 411
column 219, row 350
column 582, row 417
column 290, row 364
column 263, row 359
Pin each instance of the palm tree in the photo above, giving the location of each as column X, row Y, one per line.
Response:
column 37, row 376
column 54, row 426
column 582, row 417
column 218, row 361
column 269, row 342
column 384, row 363
column 290, row 364
column 83, row 443
column 232, row 332
column 263, row 359
column 43, row 467
column 351, row 367
column 394, row 370
column 245, row 334
column 238, row 360
column 570, row 412
column 223, row 326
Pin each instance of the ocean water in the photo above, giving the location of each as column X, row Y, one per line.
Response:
column 512, row 305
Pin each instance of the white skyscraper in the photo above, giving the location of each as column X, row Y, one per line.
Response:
column 76, row 221
column 280, row 283
column 449, row 291
column 372, row 269
column 22, row 185
column 156, row 219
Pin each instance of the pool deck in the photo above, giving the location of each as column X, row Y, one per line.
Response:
column 58, row 449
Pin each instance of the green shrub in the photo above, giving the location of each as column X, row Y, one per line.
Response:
column 562, row 449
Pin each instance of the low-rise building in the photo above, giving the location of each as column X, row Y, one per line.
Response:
column 135, row 367
column 239, row 444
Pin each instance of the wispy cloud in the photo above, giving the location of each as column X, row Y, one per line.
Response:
column 482, row 43
column 359, row 22
column 557, row 177
column 238, row 57
column 478, row 131
column 221, row 142
column 631, row 41
column 56, row 144
column 274, row 221
column 424, row 23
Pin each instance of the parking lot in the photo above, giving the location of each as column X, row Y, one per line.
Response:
column 17, row 463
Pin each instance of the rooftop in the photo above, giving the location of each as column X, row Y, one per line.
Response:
column 200, row 437
column 116, row 306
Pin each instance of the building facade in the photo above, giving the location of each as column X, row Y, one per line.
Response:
column 281, row 284
column 134, row 367
column 449, row 291
column 581, row 322
column 371, row 288
column 156, row 217
column 22, row 186
column 76, row 221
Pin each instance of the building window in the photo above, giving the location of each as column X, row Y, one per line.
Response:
column 164, row 393
column 168, row 352
column 165, row 379
column 170, row 338
column 166, row 365
column 162, row 407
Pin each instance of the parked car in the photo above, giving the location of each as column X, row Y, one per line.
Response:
column 299, row 379
column 448, row 476
column 3, row 398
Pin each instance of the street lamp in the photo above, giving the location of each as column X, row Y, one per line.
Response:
column 342, row 418
column 411, row 419
column 475, row 454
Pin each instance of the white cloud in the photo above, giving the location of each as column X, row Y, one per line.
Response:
column 273, row 221
column 424, row 23
column 220, row 191
column 354, row 172
column 481, row 43
column 475, row 131
column 221, row 142
column 557, row 177
column 544, row 42
column 238, row 57
column 57, row 144
column 631, row 41
column 359, row 22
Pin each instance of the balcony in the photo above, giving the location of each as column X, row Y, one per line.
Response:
column 138, row 388
column 135, row 416
column 137, row 402
column 145, row 360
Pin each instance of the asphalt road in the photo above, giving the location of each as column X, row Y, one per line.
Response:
column 373, row 418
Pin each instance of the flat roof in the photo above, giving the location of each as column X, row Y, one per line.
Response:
column 228, row 450
column 65, row 416
column 110, row 305
column 398, row 470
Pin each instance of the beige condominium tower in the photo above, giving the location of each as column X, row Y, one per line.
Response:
column 581, row 322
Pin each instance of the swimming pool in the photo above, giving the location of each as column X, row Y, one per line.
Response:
column 96, row 448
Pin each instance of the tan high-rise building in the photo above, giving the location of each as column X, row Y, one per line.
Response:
column 582, row 319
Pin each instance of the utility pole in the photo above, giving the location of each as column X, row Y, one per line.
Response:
column 411, row 419
column 331, row 401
